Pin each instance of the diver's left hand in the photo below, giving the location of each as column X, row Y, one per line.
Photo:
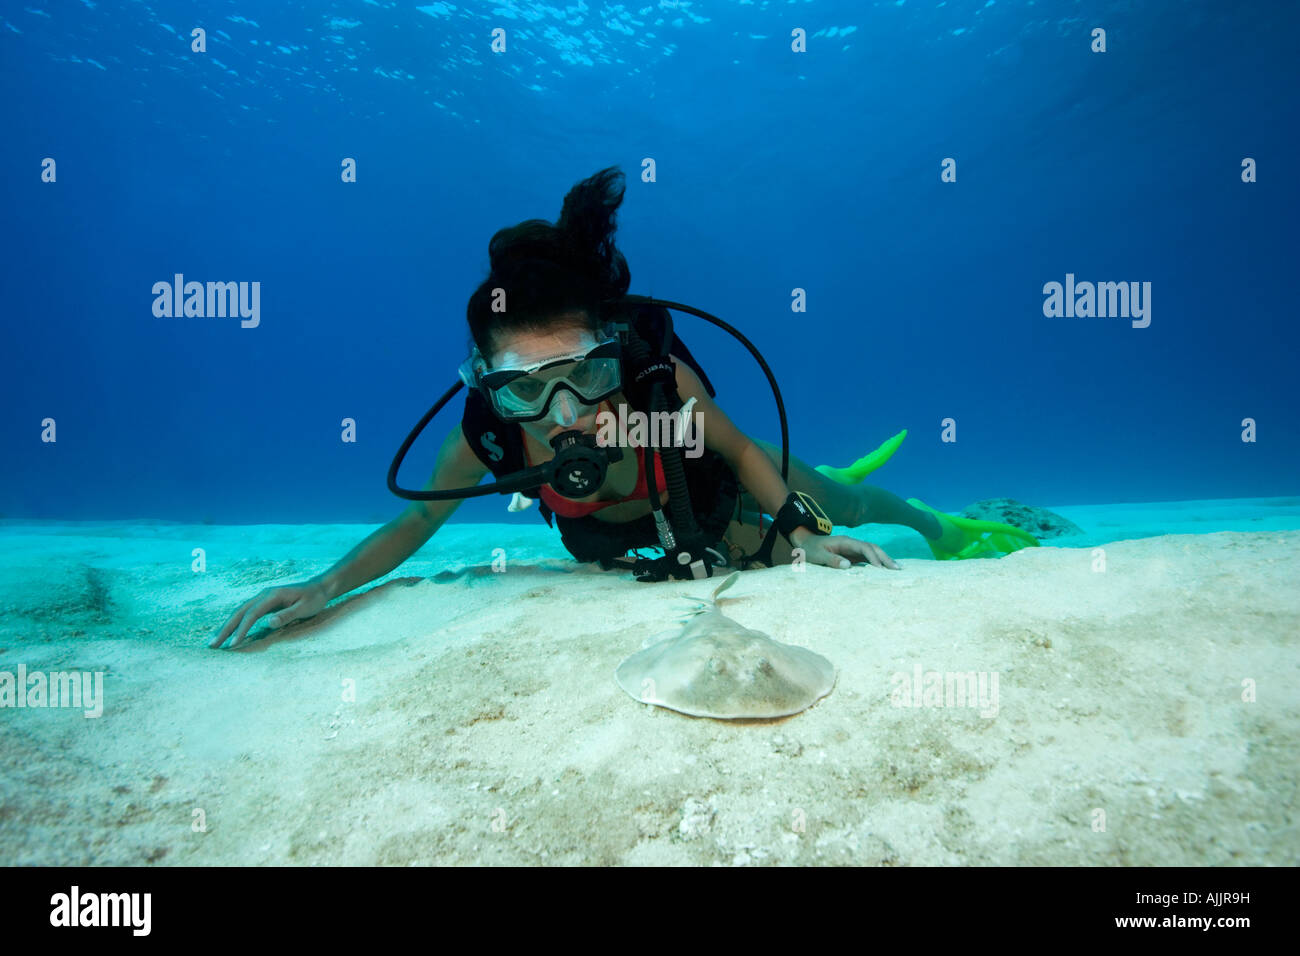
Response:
column 841, row 551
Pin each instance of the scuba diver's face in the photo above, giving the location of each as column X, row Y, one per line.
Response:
column 522, row 348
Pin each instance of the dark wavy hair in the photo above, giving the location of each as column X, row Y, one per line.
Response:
column 547, row 269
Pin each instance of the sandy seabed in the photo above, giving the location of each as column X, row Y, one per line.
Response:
column 1147, row 707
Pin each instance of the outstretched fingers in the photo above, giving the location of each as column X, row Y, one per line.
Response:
column 855, row 550
column 251, row 613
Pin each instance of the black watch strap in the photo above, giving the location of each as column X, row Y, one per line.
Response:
column 802, row 511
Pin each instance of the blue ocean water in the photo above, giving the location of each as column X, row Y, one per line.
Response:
column 774, row 170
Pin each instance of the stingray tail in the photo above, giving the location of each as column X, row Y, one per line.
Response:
column 710, row 603
column 732, row 578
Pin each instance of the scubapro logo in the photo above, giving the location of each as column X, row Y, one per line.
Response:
column 488, row 441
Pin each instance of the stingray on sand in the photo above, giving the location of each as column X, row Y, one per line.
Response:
column 716, row 668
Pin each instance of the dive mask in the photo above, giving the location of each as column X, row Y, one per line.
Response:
column 524, row 394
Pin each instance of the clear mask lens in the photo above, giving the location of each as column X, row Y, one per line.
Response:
column 528, row 396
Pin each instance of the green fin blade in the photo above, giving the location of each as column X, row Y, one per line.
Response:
column 978, row 538
column 865, row 465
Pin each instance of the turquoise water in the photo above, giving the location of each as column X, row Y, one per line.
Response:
column 773, row 171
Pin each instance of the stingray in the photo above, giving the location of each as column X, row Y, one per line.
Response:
column 716, row 668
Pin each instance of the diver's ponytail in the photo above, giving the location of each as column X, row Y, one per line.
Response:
column 586, row 226
column 550, row 268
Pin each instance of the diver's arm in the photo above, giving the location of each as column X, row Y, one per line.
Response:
column 760, row 477
column 750, row 463
column 389, row 546
column 384, row 550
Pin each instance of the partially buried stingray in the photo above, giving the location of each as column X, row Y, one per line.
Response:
column 717, row 668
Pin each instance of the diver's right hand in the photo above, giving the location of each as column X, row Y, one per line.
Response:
column 294, row 602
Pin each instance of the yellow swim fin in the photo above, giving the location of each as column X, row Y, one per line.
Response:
column 866, row 464
column 970, row 538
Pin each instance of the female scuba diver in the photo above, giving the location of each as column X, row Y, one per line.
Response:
column 545, row 364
